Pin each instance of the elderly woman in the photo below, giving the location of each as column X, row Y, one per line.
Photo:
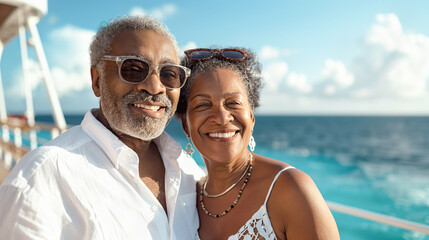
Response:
column 245, row 195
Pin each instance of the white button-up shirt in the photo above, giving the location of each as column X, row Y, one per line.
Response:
column 85, row 184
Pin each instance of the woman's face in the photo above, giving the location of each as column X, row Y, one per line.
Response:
column 219, row 118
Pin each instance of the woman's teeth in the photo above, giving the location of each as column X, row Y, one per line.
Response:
column 222, row 135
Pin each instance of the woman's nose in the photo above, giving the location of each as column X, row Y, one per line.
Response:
column 222, row 116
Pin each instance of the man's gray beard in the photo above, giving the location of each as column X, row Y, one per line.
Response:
column 123, row 121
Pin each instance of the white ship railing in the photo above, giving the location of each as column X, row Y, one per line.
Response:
column 377, row 217
column 20, row 130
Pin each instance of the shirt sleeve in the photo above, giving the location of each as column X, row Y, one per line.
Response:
column 21, row 217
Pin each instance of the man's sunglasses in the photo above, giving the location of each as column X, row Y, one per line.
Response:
column 136, row 70
column 202, row 54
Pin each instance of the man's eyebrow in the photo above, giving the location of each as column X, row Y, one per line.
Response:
column 139, row 55
column 146, row 57
column 167, row 60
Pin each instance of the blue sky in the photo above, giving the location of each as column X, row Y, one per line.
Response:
column 318, row 57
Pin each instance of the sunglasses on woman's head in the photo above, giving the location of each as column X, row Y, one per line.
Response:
column 136, row 70
column 203, row 54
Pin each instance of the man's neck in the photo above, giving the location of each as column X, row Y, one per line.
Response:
column 152, row 172
column 151, row 166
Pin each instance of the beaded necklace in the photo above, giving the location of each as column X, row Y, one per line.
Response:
column 249, row 172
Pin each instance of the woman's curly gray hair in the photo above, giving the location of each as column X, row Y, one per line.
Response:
column 102, row 42
column 249, row 71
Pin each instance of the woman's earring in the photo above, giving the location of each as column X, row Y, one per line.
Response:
column 189, row 150
column 252, row 143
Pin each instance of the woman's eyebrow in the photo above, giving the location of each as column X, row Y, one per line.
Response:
column 200, row 95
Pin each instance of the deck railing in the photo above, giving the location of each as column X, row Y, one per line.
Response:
column 377, row 217
column 14, row 130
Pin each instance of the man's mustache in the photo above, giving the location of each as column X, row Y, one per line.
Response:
column 145, row 96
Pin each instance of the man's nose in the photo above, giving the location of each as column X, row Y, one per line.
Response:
column 152, row 84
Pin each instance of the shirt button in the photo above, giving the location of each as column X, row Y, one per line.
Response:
column 154, row 208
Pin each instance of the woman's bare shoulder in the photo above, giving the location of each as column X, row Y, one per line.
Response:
column 297, row 208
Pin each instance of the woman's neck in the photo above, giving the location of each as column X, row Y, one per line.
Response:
column 222, row 175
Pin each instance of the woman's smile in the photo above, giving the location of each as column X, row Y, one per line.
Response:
column 224, row 136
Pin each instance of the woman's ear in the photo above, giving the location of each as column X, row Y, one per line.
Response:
column 95, row 78
column 185, row 125
column 252, row 116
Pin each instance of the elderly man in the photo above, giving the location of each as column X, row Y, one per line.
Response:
column 117, row 175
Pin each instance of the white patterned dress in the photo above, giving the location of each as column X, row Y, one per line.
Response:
column 259, row 225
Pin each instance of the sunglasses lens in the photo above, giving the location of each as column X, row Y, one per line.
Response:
column 232, row 54
column 134, row 71
column 172, row 76
column 200, row 54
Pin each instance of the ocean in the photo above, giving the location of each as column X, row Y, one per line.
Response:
column 380, row 164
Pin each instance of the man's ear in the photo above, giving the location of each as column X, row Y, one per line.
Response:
column 185, row 125
column 95, row 78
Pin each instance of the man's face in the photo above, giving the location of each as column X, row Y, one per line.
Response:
column 138, row 110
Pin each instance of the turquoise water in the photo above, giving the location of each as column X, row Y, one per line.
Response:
column 379, row 164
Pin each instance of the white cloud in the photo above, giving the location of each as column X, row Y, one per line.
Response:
column 34, row 77
column 329, row 89
column 299, row 83
column 189, row 45
column 361, row 93
column 389, row 75
column 136, row 11
column 387, row 32
column 68, row 49
column 335, row 71
column 274, row 75
column 268, row 53
column 393, row 62
column 15, row 94
column 162, row 12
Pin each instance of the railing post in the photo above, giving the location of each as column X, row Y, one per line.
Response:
column 53, row 97
column 17, row 137
column 29, row 113
column 3, row 113
column 54, row 133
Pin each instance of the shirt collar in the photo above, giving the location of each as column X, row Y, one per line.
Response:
column 121, row 155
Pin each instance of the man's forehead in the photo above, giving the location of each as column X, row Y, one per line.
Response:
column 146, row 44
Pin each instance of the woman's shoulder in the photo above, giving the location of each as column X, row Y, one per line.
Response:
column 288, row 182
column 296, row 203
column 287, row 174
column 269, row 165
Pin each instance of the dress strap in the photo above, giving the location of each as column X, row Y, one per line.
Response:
column 274, row 181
